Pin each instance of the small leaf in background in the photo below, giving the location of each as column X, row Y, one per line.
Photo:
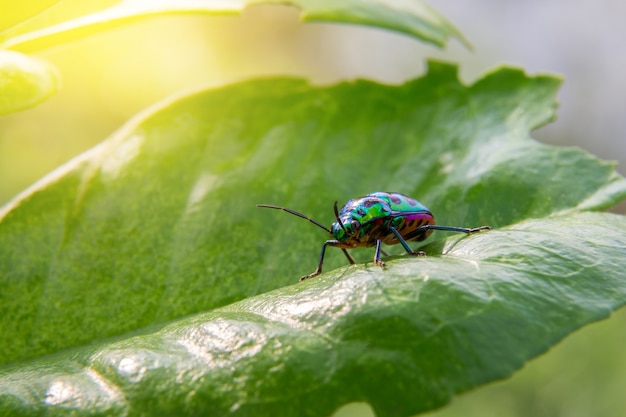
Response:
column 42, row 24
column 71, row 20
column 24, row 81
column 404, row 339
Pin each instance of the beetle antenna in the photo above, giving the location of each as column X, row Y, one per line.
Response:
column 337, row 217
column 295, row 213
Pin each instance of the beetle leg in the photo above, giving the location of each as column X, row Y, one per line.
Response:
column 350, row 258
column 453, row 229
column 421, row 230
column 318, row 270
column 405, row 245
column 377, row 260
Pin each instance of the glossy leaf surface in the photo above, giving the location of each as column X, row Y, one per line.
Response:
column 405, row 339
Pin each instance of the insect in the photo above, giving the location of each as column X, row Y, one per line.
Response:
column 377, row 218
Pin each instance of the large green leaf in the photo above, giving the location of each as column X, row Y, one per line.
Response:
column 73, row 19
column 159, row 222
column 405, row 339
column 24, row 81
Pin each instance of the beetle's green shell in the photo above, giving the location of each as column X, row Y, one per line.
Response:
column 367, row 219
column 400, row 202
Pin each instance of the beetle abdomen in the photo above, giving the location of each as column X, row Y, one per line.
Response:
column 408, row 225
column 364, row 220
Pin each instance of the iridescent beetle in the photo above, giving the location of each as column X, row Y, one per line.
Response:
column 376, row 218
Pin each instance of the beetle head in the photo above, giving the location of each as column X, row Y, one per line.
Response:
column 352, row 221
column 343, row 229
column 346, row 229
column 352, row 217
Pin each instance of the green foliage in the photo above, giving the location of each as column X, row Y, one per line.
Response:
column 70, row 19
column 159, row 222
column 146, row 275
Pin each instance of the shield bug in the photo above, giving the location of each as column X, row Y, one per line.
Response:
column 377, row 218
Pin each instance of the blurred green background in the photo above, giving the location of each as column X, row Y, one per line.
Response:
column 109, row 77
